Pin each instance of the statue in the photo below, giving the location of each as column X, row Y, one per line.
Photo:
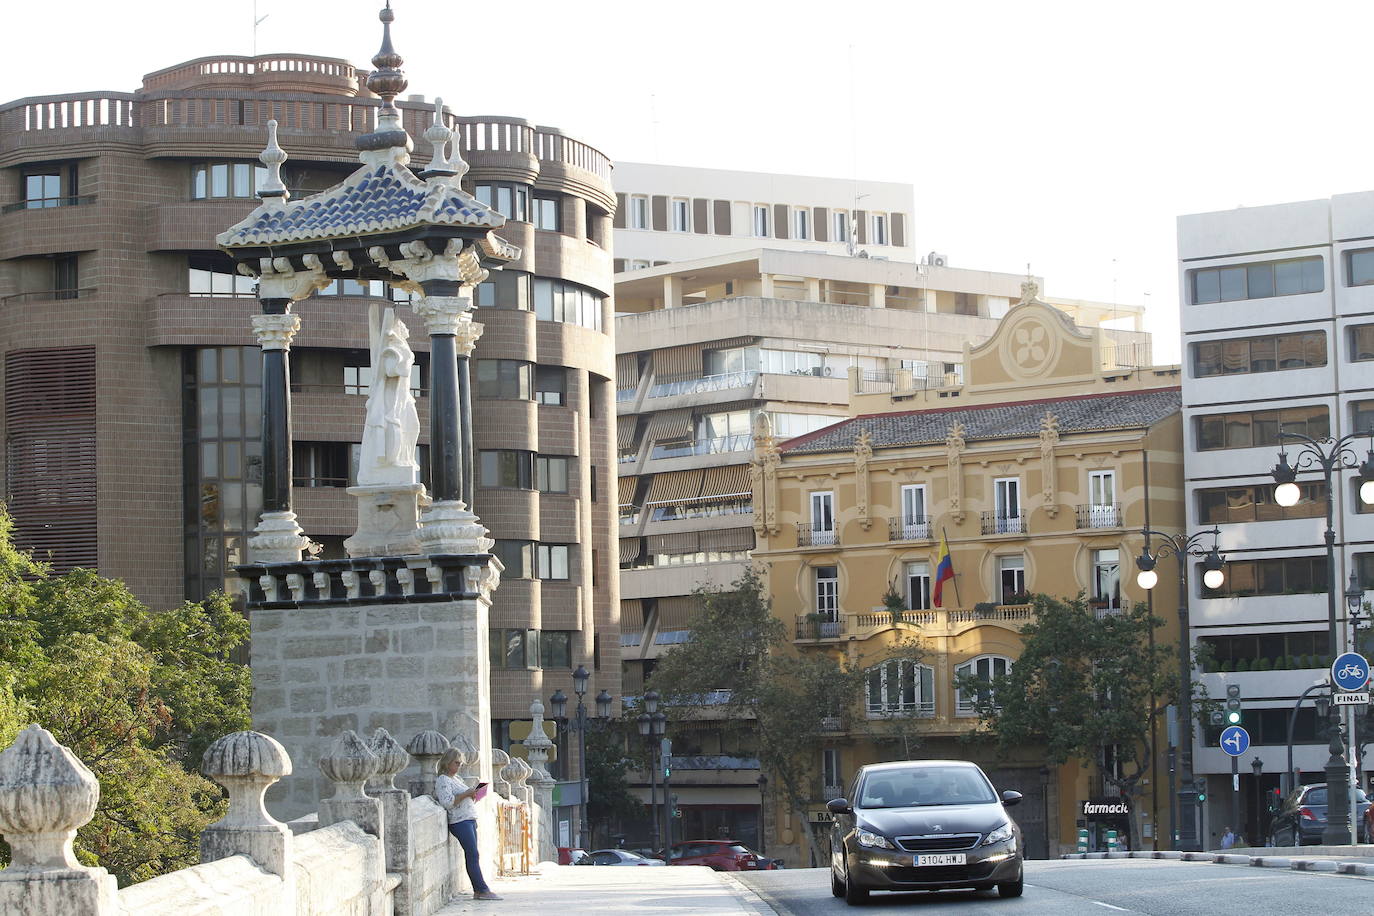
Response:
column 392, row 426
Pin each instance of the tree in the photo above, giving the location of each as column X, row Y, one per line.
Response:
column 609, row 798
column 137, row 695
column 1085, row 686
column 736, row 664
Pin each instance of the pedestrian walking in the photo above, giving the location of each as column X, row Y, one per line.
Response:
column 455, row 797
column 1228, row 839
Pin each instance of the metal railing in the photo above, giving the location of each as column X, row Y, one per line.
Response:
column 1099, row 516
column 1127, row 356
column 625, row 394
column 915, row 528
column 719, row 445
column 676, row 511
column 44, row 295
column 874, row 382
column 46, row 203
column 814, row 626
column 817, row 537
column 705, row 383
column 924, row 709
column 995, row 523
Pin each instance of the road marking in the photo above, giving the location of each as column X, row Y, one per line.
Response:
column 1119, row 909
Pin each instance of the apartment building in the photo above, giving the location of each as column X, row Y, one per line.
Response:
column 131, row 388
column 1040, row 475
column 1277, row 315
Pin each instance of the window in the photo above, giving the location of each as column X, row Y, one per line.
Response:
column 507, row 289
column 1107, row 578
column 375, row 288
column 1007, row 496
column 510, row 200
column 915, row 523
column 551, row 561
column 555, row 300
column 1257, row 281
column 555, row 649
column 595, row 222
column 226, row 179
column 879, row 234
column 516, row 556
column 841, row 225
column 546, row 214
column 787, row 425
column 1284, row 650
column 918, row 585
column 514, row 648
column 1271, row 576
column 1101, row 510
column 551, row 385
column 823, row 518
column 508, row 379
column 320, row 464
column 1255, row 503
column 639, row 212
column 506, row 468
column 801, row 223
column 1359, row 267
column 358, row 379
column 551, row 474
column 681, row 215
column 1011, row 575
column 1362, row 342
column 831, row 780
column 761, row 221
column 1260, row 428
column 986, row 668
column 828, row 593
column 1259, row 354
column 208, row 275
column 899, row 686
column 49, row 186
column 65, row 277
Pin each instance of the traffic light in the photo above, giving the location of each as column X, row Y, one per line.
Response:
column 677, row 812
column 1201, row 791
column 1233, row 710
column 666, row 750
column 1218, row 718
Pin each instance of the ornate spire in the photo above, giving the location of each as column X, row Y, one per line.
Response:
column 273, row 156
column 388, row 82
column 446, row 161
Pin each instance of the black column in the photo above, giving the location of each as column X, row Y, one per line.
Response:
column 468, row 469
column 276, row 420
column 445, row 461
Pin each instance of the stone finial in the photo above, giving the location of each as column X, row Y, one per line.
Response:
column 447, row 162
column 273, row 190
column 516, row 773
column 246, row 764
column 536, row 737
column 469, row 756
column 500, row 762
column 391, row 759
column 426, row 747
column 46, row 793
column 349, row 763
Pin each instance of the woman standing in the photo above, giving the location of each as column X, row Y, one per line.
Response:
column 455, row 797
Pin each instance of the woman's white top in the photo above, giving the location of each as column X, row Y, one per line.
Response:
column 448, row 788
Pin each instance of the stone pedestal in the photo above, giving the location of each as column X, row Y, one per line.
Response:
column 388, row 520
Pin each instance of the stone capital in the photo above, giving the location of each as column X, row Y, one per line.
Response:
column 447, row 527
column 443, row 314
column 275, row 332
column 277, row 539
column 466, row 336
column 278, row 279
column 457, row 262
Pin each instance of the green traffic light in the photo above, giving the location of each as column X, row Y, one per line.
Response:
column 1233, row 718
column 1201, row 797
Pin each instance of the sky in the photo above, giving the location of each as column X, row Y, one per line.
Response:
column 1061, row 135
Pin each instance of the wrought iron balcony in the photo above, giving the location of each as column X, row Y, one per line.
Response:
column 1106, row 515
column 911, row 528
column 996, row 523
column 817, row 626
column 808, row 536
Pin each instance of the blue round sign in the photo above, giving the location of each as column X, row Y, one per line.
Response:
column 1350, row 671
column 1234, row 740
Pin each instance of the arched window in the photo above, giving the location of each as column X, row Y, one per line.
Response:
column 900, row 687
column 985, row 668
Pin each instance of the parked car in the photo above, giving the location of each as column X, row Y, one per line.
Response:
column 617, row 857
column 721, row 855
column 1302, row 817
column 924, row 825
column 570, row 855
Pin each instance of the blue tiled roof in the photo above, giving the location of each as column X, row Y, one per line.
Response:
column 373, row 199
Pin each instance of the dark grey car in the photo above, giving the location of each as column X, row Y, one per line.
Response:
column 924, row 825
column 1302, row 817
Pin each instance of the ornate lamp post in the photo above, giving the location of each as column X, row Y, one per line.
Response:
column 763, row 789
column 1329, row 455
column 1257, row 835
column 559, row 704
column 1181, row 547
column 647, row 721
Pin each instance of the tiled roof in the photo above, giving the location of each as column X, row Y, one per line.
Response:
column 375, row 199
column 1130, row 410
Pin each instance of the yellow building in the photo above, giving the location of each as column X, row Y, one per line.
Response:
column 1040, row 470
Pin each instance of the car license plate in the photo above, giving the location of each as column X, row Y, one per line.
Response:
column 949, row 858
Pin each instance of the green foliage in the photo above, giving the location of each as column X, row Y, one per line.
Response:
column 1082, row 684
column 613, row 748
column 894, row 601
column 136, row 694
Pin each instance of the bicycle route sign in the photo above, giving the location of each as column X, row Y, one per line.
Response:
column 1350, row 671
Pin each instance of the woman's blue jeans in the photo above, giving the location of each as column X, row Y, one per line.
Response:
column 466, row 832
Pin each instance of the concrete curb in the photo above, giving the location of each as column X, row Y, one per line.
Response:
column 1365, row 868
column 1271, row 862
column 750, row 899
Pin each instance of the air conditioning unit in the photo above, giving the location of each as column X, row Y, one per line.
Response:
column 935, row 259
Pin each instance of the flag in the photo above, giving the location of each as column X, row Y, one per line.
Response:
column 944, row 569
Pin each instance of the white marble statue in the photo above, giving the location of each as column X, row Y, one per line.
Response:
column 393, row 426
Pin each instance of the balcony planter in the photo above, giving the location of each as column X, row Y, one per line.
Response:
column 984, row 608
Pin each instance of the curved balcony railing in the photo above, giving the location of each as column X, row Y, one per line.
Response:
column 46, row 295
column 717, row 446
column 44, row 203
column 721, row 382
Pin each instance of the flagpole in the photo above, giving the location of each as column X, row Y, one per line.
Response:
column 944, row 536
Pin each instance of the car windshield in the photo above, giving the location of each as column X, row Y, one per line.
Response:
column 1318, row 796
column 932, row 785
column 739, row 848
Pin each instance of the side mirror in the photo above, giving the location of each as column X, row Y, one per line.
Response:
column 1010, row 798
column 838, row 806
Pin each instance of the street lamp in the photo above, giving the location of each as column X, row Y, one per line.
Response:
column 1181, row 547
column 763, row 788
column 1329, row 455
column 558, row 703
column 645, row 722
column 1257, row 837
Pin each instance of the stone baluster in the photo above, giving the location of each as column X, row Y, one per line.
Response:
column 246, row 764
column 519, row 782
column 499, row 761
column 391, row 759
column 426, row 747
column 537, row 747
column 470, row 762
column 349, row 764
column 46, row 793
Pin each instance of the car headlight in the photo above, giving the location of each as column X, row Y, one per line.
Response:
column 1000, row 835
column 874, row 840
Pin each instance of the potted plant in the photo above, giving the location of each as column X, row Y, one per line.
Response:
column 1021, row 597
column 984, row 608
column 894, row 602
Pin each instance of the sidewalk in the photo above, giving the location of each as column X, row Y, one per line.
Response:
column 583, row 890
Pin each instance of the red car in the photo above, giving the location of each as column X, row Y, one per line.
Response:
column 721, row 855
